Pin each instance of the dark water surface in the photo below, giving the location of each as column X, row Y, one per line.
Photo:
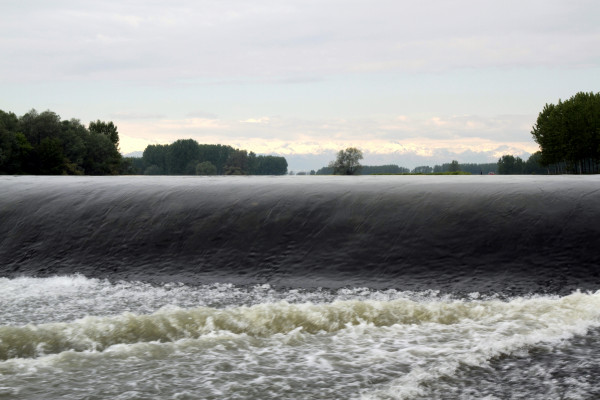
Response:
column 467, row 233
column 376, row 287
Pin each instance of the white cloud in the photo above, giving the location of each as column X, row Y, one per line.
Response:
column 414, row 138
column 290, row 40
column 261, row 120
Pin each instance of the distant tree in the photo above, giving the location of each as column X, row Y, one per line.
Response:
column 155, row 155
column 454, row 166
column 268, row 165
column 347, row 162
column 325, row 171
column 510, row 165
column 217, row 154
column 477, row 169
column 237, row 163
column 313, row 172
column 206, row 168
column 132, row 166
column 423, row 169
column 382, row 169
column 533, row 164
column 153, row 170
column 182, row 157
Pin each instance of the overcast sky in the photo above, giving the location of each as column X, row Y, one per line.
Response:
column 408, row 82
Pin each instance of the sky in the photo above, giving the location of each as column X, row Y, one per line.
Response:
column 407, row 82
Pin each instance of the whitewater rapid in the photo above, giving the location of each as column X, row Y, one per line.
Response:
column 75, row 337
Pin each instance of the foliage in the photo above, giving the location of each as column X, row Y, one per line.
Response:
column 155, row 156
column 476, row 169
column 569, row 134
column 423, row 169
column 510, row 165
column 181, row 157
column 383, row 169
column 347, row 162
column 454, row 166
column 132, row 166
column 154, row 170
column 40, row 143
column 367, row 170
column 105, row 128
column 533, row 164
column 184, row 156
column 206, row 168
column 269, row 165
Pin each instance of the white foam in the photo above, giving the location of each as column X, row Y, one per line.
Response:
column 229, row 341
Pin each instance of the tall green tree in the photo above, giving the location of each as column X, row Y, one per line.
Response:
column 182, row 157
column 155, row 158
column 105, row 128
column 510, row 165
column 15, row 149
column 569, row 134
column 102, row 156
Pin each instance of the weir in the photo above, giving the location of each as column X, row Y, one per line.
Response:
column 515, row 234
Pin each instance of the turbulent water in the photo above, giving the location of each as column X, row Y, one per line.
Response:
column 394, row 287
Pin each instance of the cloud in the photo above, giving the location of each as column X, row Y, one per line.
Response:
column 474, row 138
column 202, row 114
column 143, row 41
column 124, row 115
column 261, row 120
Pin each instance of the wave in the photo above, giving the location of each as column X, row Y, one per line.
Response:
column 509, row 319
column 473, row 233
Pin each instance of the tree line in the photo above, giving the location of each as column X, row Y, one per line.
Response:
column 188, row 157
column 506, row 165
column 42, row 144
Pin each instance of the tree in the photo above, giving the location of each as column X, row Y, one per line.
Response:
column 533, row 164
column 510, row 165
column 347, row 162
column 569, row 134
column 454, row 166
column 206, row 168
column 51, row 158
column 153, row 170
column 182, row 157
column 217, row 154
column 237, row 163
column 102, row 156
column 383, row 169
column 105, row 128
column 155, row 155
column 270, row 165
column 423, row 169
